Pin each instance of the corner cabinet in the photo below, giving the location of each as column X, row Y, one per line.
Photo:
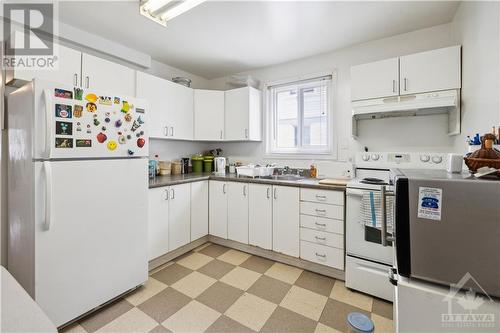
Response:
column 170, row 107
column 243, row 114
column 422, row 72
column 208, row 115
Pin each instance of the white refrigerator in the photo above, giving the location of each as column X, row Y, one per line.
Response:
column 77, row 196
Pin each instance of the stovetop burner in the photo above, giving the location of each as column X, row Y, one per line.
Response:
column 374, row 181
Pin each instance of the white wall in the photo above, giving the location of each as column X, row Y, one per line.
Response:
column 397, row 134
column 476, row 26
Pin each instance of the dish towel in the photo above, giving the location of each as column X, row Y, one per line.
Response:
column 371, row 213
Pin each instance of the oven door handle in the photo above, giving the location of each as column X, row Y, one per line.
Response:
column 383, row 210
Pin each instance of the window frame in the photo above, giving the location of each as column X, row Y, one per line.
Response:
column 301, row 152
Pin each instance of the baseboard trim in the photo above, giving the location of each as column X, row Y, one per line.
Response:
column 279, row 257
column 161, row 260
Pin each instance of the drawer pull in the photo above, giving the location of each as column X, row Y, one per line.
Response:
column 320, row 238
column 320, row 224
column 320, row 255
column 322, row 211
column 321, row 197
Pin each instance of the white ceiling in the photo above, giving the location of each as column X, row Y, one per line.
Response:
column 225, row 37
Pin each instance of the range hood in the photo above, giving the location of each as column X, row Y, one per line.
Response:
column 447, row 101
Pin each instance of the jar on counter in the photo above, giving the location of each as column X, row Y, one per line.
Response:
column 176, row 167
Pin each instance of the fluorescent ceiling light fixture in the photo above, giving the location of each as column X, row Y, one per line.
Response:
column 161, row 11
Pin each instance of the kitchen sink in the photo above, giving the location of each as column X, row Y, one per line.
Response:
column 288, row 177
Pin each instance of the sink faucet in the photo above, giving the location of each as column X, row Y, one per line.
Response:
column 286, row 170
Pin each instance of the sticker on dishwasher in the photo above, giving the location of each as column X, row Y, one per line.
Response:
column 429, row 203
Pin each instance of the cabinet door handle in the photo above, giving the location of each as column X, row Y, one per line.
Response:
column 275, row 196
column 224, row 188
column 322, row 211
column 320, row 238
column 166, row 130
column 173, row 194
column 172, row 131
column 268, row 195
column 393, row 86
column 75, row 79
column 404, row 84
column 321, row 197
column 87, row 80
column 320, row 255
column 320, row 224
column 244, row 190
column 246, row 133
column 166, row 194
column 221, row 134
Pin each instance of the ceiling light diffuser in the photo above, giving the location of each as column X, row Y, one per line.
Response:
column 161, row 11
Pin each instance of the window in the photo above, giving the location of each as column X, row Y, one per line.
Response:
column 300, row 117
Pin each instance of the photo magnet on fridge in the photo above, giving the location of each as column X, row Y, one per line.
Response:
column 64, row 128
column 64, row 143
column 78, row 111
column 83, row 143
column 61, row 93
column 63, row 111
column 78, row 93
column 105, row 100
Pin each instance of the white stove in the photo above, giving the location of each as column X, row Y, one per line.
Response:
column 367, row 261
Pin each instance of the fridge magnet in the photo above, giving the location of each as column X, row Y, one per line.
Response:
column 77, row 111
column 83, row 143
column 78, row 127
column 105, row 100
column 135, row 126
column 92, row 98
column 63, row 111
column 126, row 107
column 64, row 143
column 91, row 107
column 96, row 122
column 61, row 93
column 141, row 142
column 103, row 128
column 128, row 117
column 429, row 203
column 88, row 129
column 129, row 136
column 78, row 93
column 139, row 110
column 101, row 137
column 64, row 128
column 117, row 100
column 107, row 120
column 118, row 123
column 112, row 145
column 130, row 152
column 140, row 121
column 122, row 139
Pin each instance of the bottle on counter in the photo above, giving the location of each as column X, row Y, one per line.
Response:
column 157, row 164
column 313, row 171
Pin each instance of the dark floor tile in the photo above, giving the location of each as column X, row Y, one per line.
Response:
column 160, row 329
column 227, row 325
column 382, row 308
column 270, row 289
column 315, row 282
column 102, row 317
column 164, row 304
column 171, row 274
column 220, row 296
column 286, row 321
column 335, row 314
column 216, row 269
column 214, row 250
column 257, row 264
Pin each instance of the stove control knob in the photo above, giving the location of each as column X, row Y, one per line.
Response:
column 375, row 157
column 425, row 158
column 365, row 157
column 437, row 159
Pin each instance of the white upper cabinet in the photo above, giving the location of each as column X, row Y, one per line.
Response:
column 170, row 107
column 104, row 75
column 430, row 71
column 208, row 115
column 375, row 80
column 158, row 221
column 237, row 212
column 67, row 72
column 243, row 114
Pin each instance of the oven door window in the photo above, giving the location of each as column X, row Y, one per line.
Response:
column 371, row 215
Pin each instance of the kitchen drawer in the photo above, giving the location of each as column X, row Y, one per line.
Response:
column 322, row 224
column 322, row 210
column 322, row 254
column 322, row 196
column 323, row 238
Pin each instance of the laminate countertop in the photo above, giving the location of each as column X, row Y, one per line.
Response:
column 169, row 180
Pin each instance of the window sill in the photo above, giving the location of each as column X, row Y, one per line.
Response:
column 300, row 156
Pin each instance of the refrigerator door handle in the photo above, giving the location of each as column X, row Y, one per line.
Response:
column 48, row 194
column 48, row 121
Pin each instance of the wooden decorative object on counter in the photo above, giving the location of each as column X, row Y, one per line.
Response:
column 485, row 156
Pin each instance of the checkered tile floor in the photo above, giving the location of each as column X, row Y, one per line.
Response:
column 217, row 289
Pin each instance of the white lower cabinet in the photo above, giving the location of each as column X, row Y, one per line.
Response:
column 286, row 220
column 260, row 216
column 158, row 222
column 217, row 211
column 237, row 212
column 179, row 216
column 199, row 209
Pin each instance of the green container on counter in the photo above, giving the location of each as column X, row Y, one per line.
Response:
column 197, row 163
column 208, row 162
